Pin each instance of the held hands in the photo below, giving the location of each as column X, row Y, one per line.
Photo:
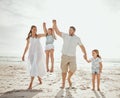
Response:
column 54, row 24
column 44, row 24
column 85, row 56
column 23, row 58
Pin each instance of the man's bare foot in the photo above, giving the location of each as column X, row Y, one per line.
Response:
column 98, row 89
column 93, row 89
column 63, row 86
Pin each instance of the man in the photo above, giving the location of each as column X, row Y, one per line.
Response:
column 68, row 60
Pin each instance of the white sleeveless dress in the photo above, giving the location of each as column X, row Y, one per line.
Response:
column 36, row 58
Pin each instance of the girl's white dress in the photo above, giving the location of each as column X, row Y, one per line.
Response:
column 36, row 58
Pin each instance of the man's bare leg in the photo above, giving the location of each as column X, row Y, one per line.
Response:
column 69, row 78
column 63, row 80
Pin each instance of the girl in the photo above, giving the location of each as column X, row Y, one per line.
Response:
column 96, row 68
column 49, row 49
column 36, row 55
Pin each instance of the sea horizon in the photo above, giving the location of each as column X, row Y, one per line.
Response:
column 57, row 59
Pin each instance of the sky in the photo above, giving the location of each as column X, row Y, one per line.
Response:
column 97, row 24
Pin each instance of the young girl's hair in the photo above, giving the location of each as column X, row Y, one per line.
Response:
column 52, row 33
column 97, row 51
column 30, row 32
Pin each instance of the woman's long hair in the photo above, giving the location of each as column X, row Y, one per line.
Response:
column 97, row 51
column 30, row 32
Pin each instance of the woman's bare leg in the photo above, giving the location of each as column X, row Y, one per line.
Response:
column 40, row 80
column 52, row 60
column 47, row 60
column 31, row 82
column 93, row 81
column 98, row 82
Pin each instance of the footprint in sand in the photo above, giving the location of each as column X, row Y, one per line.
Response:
column 82, row 87
column 54, row 82
column 50, row 84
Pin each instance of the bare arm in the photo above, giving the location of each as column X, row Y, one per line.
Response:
column 54, row 36
column 100, row 66
column 26, row 48
column 88, row 60
column 56, row 29
column 84, row 51
column 41, row 35
column 44, row 28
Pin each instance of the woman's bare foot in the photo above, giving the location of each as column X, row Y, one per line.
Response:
column 93, row 89
column 40, row 80
column 29, row 88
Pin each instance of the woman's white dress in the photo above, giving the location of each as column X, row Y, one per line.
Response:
column 36, row 58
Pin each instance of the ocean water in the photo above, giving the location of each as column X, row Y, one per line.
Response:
column 18, row 60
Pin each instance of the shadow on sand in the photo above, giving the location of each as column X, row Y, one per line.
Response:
column 99, row 94
column 20, row 94
column 64, row 94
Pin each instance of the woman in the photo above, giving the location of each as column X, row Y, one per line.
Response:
column 36, row 57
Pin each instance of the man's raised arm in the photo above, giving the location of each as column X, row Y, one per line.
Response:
column 56, row 28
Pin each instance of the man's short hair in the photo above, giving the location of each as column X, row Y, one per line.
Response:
column 72, row 27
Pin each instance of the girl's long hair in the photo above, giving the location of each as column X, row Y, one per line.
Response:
column 53, row 34
column 97, row 51
column 30, row 32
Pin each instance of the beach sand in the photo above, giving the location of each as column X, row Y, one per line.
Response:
column 14, row 82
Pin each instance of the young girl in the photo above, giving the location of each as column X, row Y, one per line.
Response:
column 36, row 55
column 49, row 49
column 96, row 68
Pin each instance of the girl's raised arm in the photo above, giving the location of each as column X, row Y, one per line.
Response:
column 53, row 34
column 26, row 48
column 44, row 28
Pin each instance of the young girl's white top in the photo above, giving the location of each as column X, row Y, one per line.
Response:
column 36, row 58
column 95, row 65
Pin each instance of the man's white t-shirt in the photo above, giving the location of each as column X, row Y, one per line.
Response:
column 69, row 44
